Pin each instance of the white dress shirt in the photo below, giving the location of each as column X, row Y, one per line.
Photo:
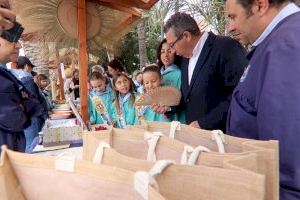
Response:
column 196, row 53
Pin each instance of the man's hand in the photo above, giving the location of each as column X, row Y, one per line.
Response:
column 195, row 124
column 159, row 109
column 24, row 95
column 7, row 18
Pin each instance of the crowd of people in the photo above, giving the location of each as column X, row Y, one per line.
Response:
column 251, row 95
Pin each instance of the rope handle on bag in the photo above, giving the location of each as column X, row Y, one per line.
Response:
column 219, row 137
column 143, row 179
column 175, row 126
column 190, row 155
column 152, row 139
column 98, row 156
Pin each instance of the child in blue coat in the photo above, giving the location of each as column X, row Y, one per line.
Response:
column 100, row 100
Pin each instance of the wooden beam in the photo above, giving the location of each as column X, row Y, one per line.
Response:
column 122, row 25
column 130, row 3
column 116, row 6
column 143, row 5
column 83, row 59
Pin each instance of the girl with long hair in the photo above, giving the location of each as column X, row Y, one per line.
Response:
column 125, row 112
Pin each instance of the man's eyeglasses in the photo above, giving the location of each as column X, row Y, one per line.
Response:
column 173, row 43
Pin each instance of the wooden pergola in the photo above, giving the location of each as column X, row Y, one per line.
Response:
column 132, row 7
column 122, row 5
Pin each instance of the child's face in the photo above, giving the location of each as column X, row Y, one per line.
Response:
column 167, row 56
column 44, row 83
column 151, row 80
column 139, row 78
column 122, row 85
column 98, row 85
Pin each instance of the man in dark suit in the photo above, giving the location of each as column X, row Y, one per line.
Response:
column 211, row 68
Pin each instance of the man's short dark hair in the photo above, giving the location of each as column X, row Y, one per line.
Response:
column 248, row 3
column 180, row 22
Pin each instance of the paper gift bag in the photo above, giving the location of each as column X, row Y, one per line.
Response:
column 267, row 151
column 36, row 177
column 178, row 182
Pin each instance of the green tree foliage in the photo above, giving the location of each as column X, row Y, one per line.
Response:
column 154, row 20
column 213, row 12
column 129, row 51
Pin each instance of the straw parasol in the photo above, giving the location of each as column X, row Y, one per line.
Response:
column 100, row 22
column 56, row 21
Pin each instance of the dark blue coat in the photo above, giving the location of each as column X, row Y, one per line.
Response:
column 15, row 110
column 217, row 72
column 266, row 103
column 12, row 117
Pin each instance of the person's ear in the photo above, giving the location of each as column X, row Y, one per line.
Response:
column 188, row 35
column 1, row 41
column 260, row 7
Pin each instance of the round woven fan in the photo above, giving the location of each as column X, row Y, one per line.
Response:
column 56, row 21
column 165, row 96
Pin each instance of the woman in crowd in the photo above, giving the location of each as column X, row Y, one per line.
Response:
column 169, row 63
column 76, row 83
column 42, row 82
column 69, row 84
column 114, row 67
column 138, row 81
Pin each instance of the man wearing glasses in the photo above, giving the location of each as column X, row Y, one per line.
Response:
column 211, row 68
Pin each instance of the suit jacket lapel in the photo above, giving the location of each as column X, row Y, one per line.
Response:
column 202, row 58
column 184, row 76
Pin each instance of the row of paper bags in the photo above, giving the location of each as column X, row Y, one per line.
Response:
column 153, row 161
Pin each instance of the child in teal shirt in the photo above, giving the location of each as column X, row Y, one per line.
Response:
column 125, row 112
column 151, row 80
column 100, row 99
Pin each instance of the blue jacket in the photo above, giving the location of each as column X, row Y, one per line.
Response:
column 266, row 103
column 27, row 80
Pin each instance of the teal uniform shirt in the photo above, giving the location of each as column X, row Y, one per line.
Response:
column 99, row 103
column 146, row 113
column 128, row 112
column 171, row 76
